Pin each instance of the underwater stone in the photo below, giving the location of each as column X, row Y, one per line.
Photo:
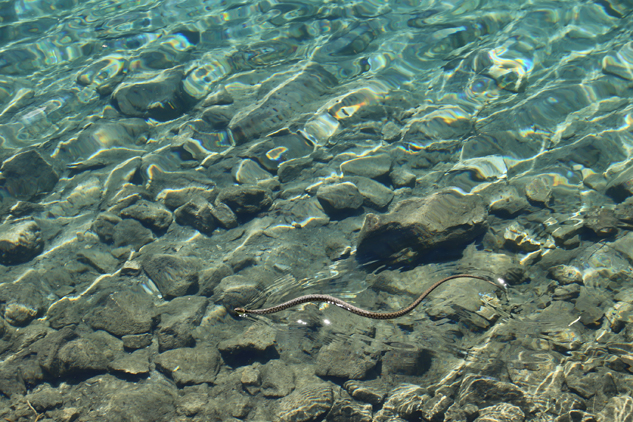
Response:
column 339, row 197
column 341, row 361
column 173, row 275
column 178, row 319
column 19, row 315
column 132, row 233
column 401, row 178
column 19, row 242
column 197, row 214
column 151, row 215
column 441, row 220
column 565, row 274
column 187, row 366
column 159, row 96
column 245, row 199
column 135, row 363
column 372, row 167
column 122, row 313
column 539, row 190
column 27, row 174
column 306, row 404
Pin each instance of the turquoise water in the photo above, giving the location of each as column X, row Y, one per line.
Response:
column 166, row 162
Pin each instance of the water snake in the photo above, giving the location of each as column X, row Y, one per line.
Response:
column 351, row 308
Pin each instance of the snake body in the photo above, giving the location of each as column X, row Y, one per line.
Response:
column 351, row 308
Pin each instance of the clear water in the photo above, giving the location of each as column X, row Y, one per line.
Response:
column 129, row 100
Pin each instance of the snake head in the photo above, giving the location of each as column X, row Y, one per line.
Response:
column 240, row 311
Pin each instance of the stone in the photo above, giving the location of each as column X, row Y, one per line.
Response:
column 27, row 175
column 291, row 170
column 135, row 363
column 508, row 202
column 346, row 410
column 174, row 198
column 108, row 398
column 236, row 290
column 20, row 242
column 602, row 222
column 136, row 341
column 484, row 392
column 365, row 393
column 150, row 214
column 99, row 259
column 421, row 225
column 224, row 215
column 173, row 275
column 130, row 232
column 256, row 343
column 375, row 194
column 306, row 404
column 18, row 314
column 187, row 366
column 619, row 408
column 80, row 357
column 415, row 361
column 159, row 96
column 44, row 398
column 343, row 361
column 290, row 98
column 277, row 379
column 372, row 167
column 402, row 178
column 211, row 277
column 565, row 274
column 621, row 187
column 178, row 318
column 539, row 190
column 590, row 305
column 339, row 198
column 104, row 226
column 248, row 172
column 196, row 213
column 123, row 313
column 502, row 412
column 245, row 199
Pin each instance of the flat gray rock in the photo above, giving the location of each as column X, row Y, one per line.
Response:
column 123, row 313
column 150, row 214
column 419, row 225
column 375, row 194
column 371, row 167
column 342, row 361
column 278, row 379
column 256, row 343
column 131, row 233
column 178, row 318
column 173, row 275
column 306, row 404
column 27, row 175
column 20, row 242
column 187, row 366
column 339, row 197
column 196, row 213
column 245, row 199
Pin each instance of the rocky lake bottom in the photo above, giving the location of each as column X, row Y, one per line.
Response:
column 165, row 163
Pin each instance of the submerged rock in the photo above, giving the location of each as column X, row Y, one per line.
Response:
column 339, row 197
column 27, row 174
column 19, row 242
column 306, row 404
column 418, row 226
column 188, row 366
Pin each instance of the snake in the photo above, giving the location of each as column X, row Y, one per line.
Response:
column 353, row 309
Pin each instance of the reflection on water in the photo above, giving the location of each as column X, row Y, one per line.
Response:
column 164, row 162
